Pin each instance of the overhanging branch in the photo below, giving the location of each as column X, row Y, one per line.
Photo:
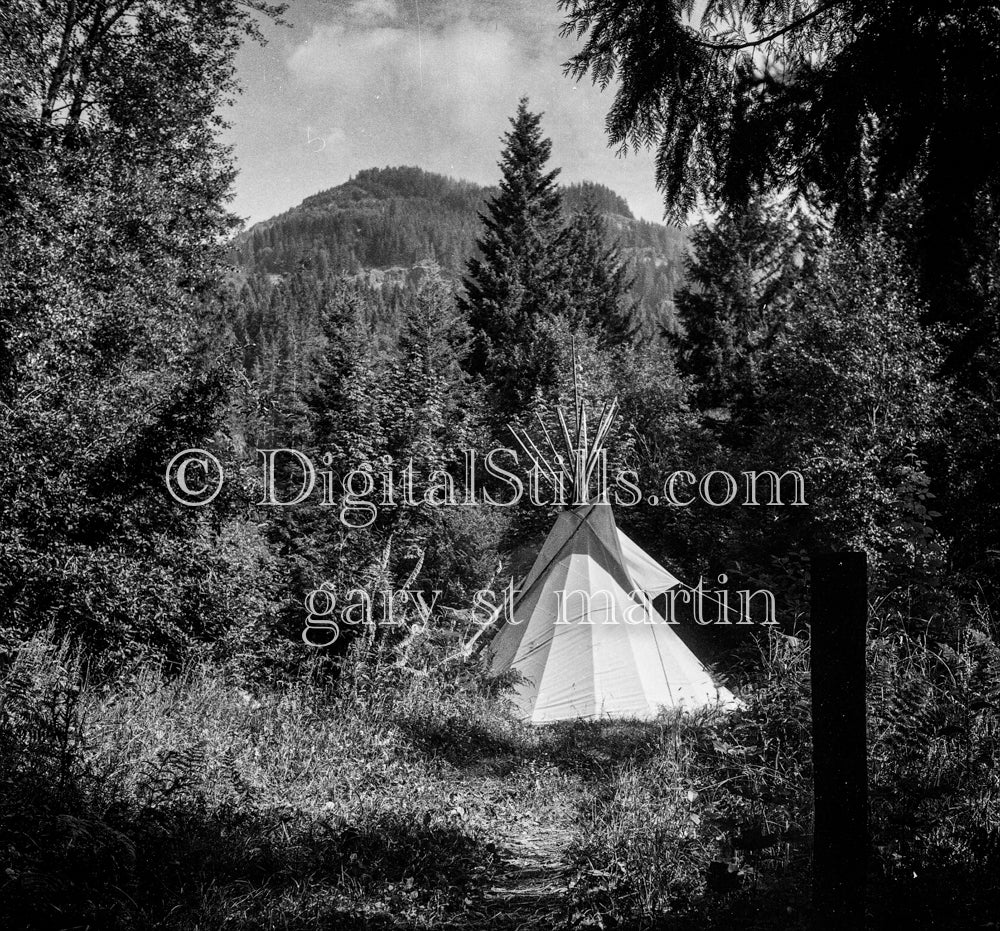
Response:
column 763, row 40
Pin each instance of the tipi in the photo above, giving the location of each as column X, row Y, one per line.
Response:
column 583, row 633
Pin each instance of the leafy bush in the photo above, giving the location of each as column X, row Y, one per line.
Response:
column 714, row 824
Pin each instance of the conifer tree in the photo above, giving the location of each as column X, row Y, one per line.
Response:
column 518, row 277
column 433, row 392
column 734, row 302
column 599, row 278
column 434, row 336
column 345, row 394
column 435, row 413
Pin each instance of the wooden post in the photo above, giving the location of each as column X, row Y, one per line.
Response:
column 840, row 759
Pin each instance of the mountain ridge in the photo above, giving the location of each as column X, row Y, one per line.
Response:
column 396, row 218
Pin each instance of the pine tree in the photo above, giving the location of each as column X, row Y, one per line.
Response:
column 518, row 277
column 599, row 278
column 740, row 278
column 345, row 393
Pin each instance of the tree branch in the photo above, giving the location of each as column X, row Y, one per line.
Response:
column 62, row 64
column 89, row 54
column 763, row 40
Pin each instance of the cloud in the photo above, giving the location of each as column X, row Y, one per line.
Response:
column 447, row 91
column 372, row 11
column 462, row 65
column 429, row 83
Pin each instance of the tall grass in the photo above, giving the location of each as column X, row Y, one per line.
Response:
column 714, row 814
column 196, row 802
column 715, row 827
column 389, row 796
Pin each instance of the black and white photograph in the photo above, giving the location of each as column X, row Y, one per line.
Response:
column 499, row 466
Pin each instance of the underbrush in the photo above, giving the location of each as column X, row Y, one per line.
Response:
column 714, row 828
column 386, row 798
column 195, row 802
column 710, row 823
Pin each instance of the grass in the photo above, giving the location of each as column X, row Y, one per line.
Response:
column 198, row 803
column 408, row 800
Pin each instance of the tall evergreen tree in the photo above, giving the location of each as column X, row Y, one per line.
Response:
column 518, row 277
column 436, row 416
column 734, row 303
column 345, row 393
column 599, row 277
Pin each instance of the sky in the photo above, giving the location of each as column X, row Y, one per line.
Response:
column 359, row 84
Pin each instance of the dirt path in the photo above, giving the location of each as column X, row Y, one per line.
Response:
column 530, row 887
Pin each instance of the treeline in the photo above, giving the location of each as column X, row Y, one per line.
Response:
column 394, row 219
column 380, row 218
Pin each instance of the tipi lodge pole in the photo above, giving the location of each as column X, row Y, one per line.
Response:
column 839, row 607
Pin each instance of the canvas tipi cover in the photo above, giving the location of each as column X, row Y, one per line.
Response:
column 585, row 637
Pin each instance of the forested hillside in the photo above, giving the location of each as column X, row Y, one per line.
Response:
column 383, row 223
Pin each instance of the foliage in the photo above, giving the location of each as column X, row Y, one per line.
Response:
column 199, row 802
column 401, row 790
column 193, row 765
column 708, row 819
column 849, row 397
column 849, row 105
column 518, row 278
column 740, row 279
column 845, row 391
column 599, row 278
column 399, row 415
column 533, row 269
column 112, row 211
column 578, row 197
column 743, row 97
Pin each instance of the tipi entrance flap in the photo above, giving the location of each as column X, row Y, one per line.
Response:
column 647, row 574
column 588, row 528
column 567, row 523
